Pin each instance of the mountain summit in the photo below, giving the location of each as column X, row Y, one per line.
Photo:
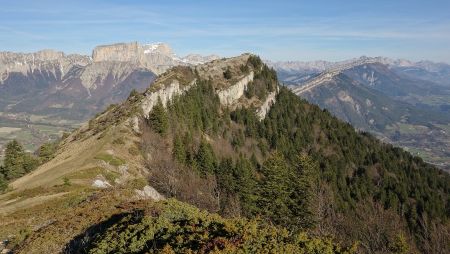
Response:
column 158, row 57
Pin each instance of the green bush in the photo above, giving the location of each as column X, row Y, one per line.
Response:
column 227, row 74
column 175, row 227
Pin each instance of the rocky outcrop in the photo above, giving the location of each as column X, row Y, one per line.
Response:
column 264, row 109
column 49, row 61
column 120, row 52
column 149, row 193
column 230, row 95
column 199, row 59
column 100, row 182
column 165, row 93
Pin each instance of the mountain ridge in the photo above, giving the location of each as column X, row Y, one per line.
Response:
column 380, row 95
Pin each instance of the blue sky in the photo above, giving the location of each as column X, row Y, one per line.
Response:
column 277, row 30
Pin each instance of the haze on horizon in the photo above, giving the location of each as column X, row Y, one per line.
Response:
column 291, row 30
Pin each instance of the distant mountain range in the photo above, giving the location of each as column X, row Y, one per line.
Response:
column 423, row 70
column 49, row 82
column 46, row 92
column 403, row 102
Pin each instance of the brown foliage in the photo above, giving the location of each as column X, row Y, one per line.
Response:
column 173, row 179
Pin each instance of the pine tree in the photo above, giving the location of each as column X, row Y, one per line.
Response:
column 29, row 162
column 14, row 160
column 158, row 118
column 246, row 184
column 205, row 157
column 399, row 245
column 303, row 190
column 274, row 192
column 3, row 183
column 17, row 162
column 47, row 151
column 179, row 152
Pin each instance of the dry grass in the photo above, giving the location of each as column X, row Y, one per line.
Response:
column 58, row 195
column 47, row 227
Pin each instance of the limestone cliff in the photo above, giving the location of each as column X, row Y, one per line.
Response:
column 230, row 95
column 121, row 52
column 166, row 93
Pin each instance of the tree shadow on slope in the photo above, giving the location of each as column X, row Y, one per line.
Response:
column 83, row 242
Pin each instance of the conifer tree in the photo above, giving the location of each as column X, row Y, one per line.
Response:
column 205, row 157
column 274, row 192
column 46, row 151
column 179, row 152
column 158, row 118
column 3, row 183
column 17, row 162
column 304, row 189
column 399, row 245
column 14, row 160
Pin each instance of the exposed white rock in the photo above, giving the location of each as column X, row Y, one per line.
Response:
column 233, row 93
column 134, row 123
column 98, row 183
column 51, row 62
column 120, row 52
column 165, row 94
column 264, row 109
column 149, row 193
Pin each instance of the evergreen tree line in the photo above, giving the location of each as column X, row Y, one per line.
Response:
column 18, row 162
column 276, row 164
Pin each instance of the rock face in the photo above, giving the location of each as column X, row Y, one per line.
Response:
column 230, row 95
column 165, row 94
column 264, row 109
column 121, row 52
column 54, row 63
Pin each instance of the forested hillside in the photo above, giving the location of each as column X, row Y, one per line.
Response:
column 299, row 167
